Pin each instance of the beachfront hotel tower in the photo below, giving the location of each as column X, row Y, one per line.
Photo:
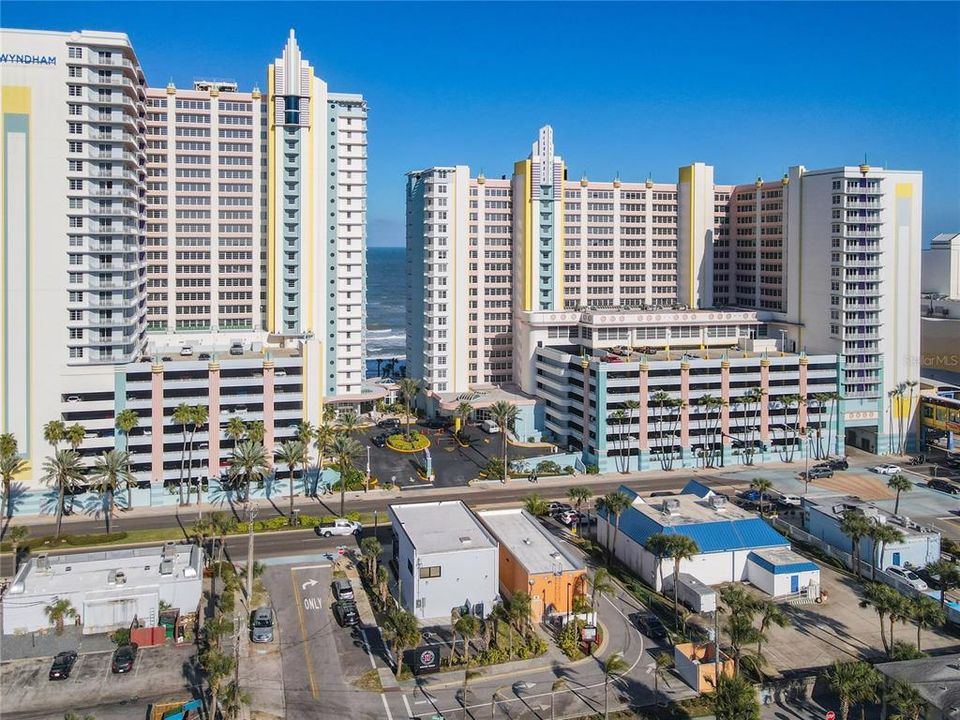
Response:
column 316, row 224
column 822, row 264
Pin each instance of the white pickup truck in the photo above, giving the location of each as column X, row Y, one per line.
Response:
column 340, row 526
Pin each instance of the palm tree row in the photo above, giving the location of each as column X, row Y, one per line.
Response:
column 678, row 547
column 896, row 411
column 892, row 607
column 744, row 610
column 505, row 415
column 11, row 465
column 190, row 418
column 857, row 526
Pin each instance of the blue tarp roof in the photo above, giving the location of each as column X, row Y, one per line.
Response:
column 786, row 569
column 716, row 536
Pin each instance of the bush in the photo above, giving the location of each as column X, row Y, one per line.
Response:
column 78, row 540
column 569, row 640
column 356, row 480
column 494, row 469
column 417, row 441
column 121, row 637
column 593, row 470
column 568, row 470
column 548, row 467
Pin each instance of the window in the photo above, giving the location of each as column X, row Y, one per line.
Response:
column 433, row 571
column 74, row 52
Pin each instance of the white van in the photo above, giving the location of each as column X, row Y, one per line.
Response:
column 186, row 351
column 490, row 426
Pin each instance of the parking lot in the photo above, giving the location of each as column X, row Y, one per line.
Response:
column 163, row 671
column 453, row 465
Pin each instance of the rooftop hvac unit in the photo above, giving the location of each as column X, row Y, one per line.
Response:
column 166, row 567
column 671, row 506
column 718, row 502
column 116, row 577
column 169, row 550
column 42, row 563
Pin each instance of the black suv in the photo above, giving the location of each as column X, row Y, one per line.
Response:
column 836, row 463
column 62, row 665
column 345, row 611
column 389, row 424
column 944, row 486
column 651, row 626
column 379, row 440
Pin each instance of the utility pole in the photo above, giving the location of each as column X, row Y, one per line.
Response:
column 236, row 651
column 251, row 514
column 367, row 488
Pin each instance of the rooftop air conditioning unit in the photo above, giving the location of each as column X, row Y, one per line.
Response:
column 166, row 567
column 42, row 563
column 169, row 550
column 671, row 506
column 116, row 577
column 718, row 502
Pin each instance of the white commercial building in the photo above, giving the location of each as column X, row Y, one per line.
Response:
column 444, row 559
column 108, row 590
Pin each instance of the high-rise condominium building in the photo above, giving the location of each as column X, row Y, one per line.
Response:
column 157, row 235
column 827, row 260
column 74, row 281
column 205, row 191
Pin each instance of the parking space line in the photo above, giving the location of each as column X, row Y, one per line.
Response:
column 386, row 707
column 366, row 648
column 309, row 567
column 303, row 637
column 406, row 704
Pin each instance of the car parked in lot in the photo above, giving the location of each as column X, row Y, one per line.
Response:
column 907, row 577
column 379, row 440
column 436, row 423
column 835, row 463
column 123, row 658
column 342, row 589
column 789, row 500
column 554, row 508
column 651, row 626
column 885, row 469
column 261, row 625
column 817, row 471
column 490, row 426
column 944, row 486
column 62, row 665
column 340, row 526
column 754, row 496
column 346, row 613
column 389, row 424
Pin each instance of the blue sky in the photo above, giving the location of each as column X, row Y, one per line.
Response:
column 629, row 88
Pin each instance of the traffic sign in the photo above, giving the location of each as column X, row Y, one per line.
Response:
column 831, row 715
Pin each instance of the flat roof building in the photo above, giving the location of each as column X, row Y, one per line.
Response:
column 108, row 589
column 532, row 560
column 444, row 558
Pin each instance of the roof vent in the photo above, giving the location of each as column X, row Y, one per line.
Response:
column 526, row 541
column 465, row 540
column 671, row 506
column 42, row 563
column 166, row 567
column 116, row 577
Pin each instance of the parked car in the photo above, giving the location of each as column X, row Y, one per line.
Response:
column 345, row 611
column 435, row 423
column 342, row 589
column 555, row 508
column 490, row 426
column 817, row 471
column 908, row 577
column 236, row 349
column 62, row 665
column 203, row 356
column 885, row 469
column 261, row 625
column 379, row 440
column 789, row 500
column 388, row 424
column 944, row 486
column 651, row 626
column 186, row 351
column 123, row 658
column 340, row 526
column 837, row 463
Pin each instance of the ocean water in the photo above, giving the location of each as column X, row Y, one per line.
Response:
column 386, row 306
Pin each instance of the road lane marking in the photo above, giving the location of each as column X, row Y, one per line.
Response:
column 309, row 567
column 303, row 636
column 386, row 707
column 406, row 704
column 309, row 583
column 312, row 603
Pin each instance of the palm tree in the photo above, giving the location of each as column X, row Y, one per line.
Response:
column 615, row 503
column 125, row 421
column 855, row 526
column 17, row 534
column 221, row 525
column 907, row 700
column 54, row 432
column 712, row 407
column 8, row 444
column 236, row 429
column 658, row 545
column 249, row 461
column 600, row 585
column 462, row 413
column 402, row 631
column 371, row 549
column 111, row 470
column 199, row 415
column 618, row 418
column 346, row 450
column 11, row 465
column 58, row 611
column 75, row 434
column 256, row 431
column 183, row 416
column 292, row 454
column 789, row 402
column 578, row 495
column 234, row 699
column 762, row 486
column 504, row 414
column 467, row 626
column 885, row 602
column 947, row 574
column 911, row 385
column 348, row 422
column 632, row 406
column 881, row 535
column 63, row 471
column 613, row 667
column 754, row 399
column 925, row 612
column 660, row 399
column 770, row 615
column 217, row 666
column 853, row 683
column 901, row 484
column 408, row 388
column 682, row 547
column 735, row 699
column 536, row 505
column 519, row 611
column 306, row 432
